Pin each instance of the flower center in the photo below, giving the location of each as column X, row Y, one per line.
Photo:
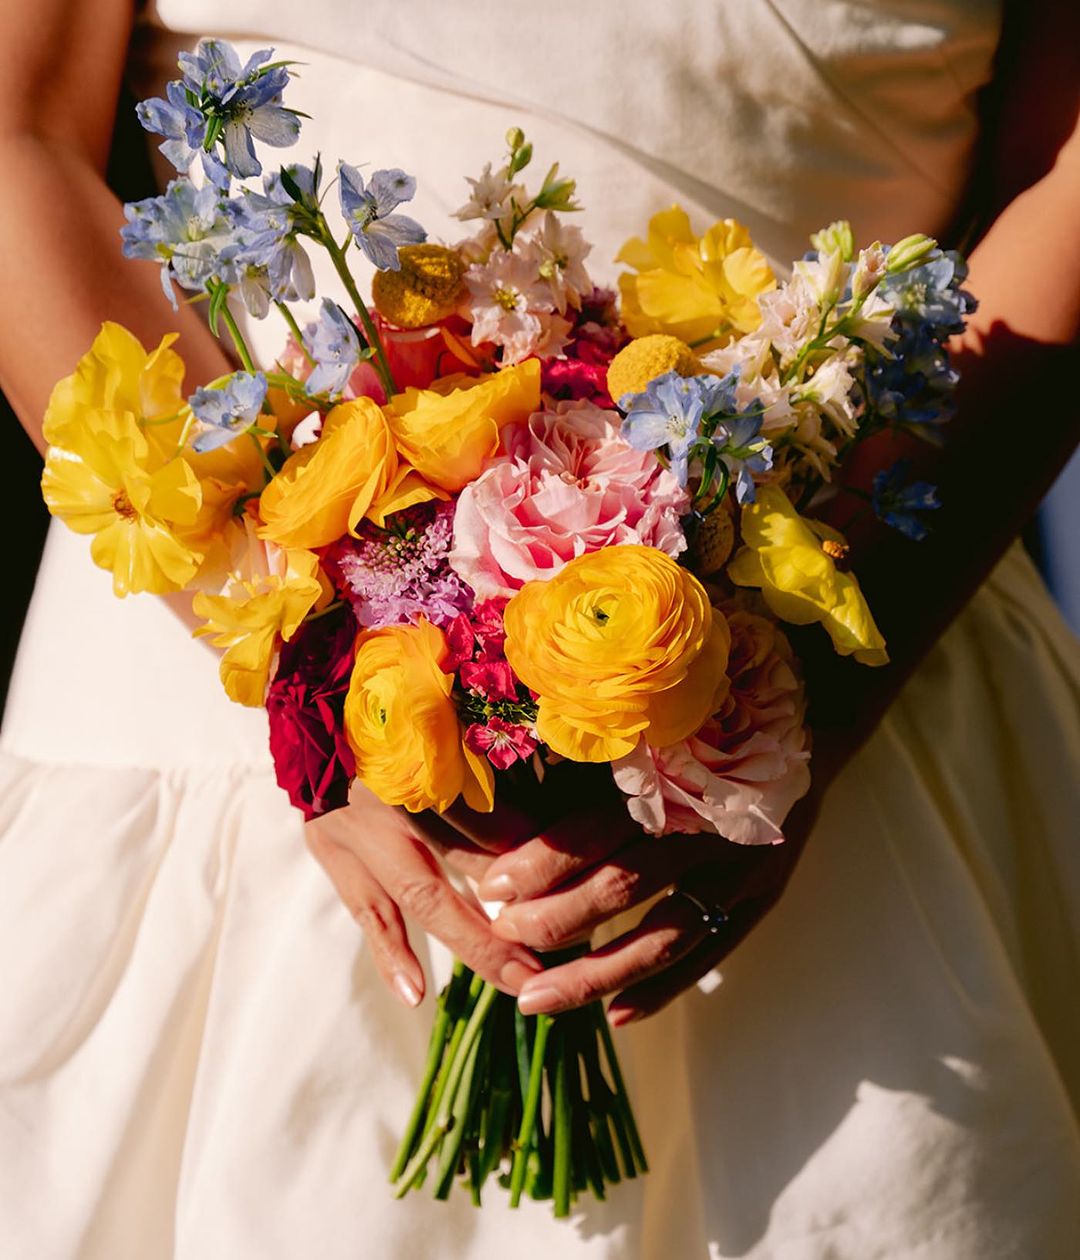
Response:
column 836, row 551
column 122, row 506
column 506, row 298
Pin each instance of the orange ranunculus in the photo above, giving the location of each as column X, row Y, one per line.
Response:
column 447, row 432
column 619, row 645
column 402, row 725
column 325, row 489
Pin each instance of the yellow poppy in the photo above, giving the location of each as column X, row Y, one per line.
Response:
column 99, row 483
column 798, row 575
column 267, row 597
column 698, row 289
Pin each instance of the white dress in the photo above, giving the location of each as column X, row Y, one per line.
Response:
column 197, row 1058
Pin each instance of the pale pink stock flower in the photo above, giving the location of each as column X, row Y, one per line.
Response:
column 742, row 772
column 510, row 305
column 557, row 253
column 565, row 484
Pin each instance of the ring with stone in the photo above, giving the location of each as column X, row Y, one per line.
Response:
column 713, row 917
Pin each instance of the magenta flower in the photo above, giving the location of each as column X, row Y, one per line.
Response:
column 503, row 742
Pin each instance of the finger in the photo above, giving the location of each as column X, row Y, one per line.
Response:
column 565, row 850
column 455, row 849
column 631, row 876
column 668, row 932
column 655, row 992
column 372, row 907
column 411, row 874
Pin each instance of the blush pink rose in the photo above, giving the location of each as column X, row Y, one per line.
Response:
column 564, row 484
column 741, row 773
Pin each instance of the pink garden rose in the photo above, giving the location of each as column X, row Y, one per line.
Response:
column 564, row 484
column 746, row 767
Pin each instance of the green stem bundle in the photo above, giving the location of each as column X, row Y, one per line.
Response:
column 538, row 1102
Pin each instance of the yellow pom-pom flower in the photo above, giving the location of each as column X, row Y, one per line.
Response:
column 447, row 432
column 402, row 725
column 699, row 289
column 426, row 288
column 646, row 358
column 620, row 645
column 796, row 568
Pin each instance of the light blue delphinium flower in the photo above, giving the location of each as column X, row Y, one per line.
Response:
column 219, row 99
column 368, row 211
column 335, row 346
column 930, row 294
column 267, row 228
column 901, row 505
column 668, row 413
column 228, row 410
column 188, row 230
column 743, row 450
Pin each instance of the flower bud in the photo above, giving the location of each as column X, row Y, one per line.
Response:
column 909, row 252
column 836, row 238
column 515, row 138
column 868, row 271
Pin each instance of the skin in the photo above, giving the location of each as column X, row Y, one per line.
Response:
column 58, row 237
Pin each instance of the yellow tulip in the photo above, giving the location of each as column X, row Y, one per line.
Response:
column 268, row 595
column 403, row 727
column 696, row 289
column 620, row 644
column 447, row 432
column 793, row 564
column 324, row 490
column 104, row 481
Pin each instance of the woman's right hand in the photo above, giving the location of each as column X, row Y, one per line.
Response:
column 382, row 871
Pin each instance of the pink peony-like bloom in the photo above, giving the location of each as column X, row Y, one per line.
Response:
column 565, row 484
column 742, row 772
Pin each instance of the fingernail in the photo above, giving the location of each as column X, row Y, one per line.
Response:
column 540, row 1000
column 516, row 973
column 506, row 929
column 406, row 990
column 618, row 1016
column 497, row 888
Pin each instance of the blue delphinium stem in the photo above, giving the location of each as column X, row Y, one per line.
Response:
column 371, row 333
column 294, row 328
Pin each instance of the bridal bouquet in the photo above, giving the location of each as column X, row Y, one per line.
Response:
column 495, row 519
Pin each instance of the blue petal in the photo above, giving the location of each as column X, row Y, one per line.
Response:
column 275, row 126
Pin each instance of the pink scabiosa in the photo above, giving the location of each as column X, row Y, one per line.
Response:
column 401, row 573
column 740, row 774
column 580, row 372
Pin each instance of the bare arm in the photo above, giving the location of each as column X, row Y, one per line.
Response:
column 61, row 66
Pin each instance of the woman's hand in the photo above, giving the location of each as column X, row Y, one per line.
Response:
column 380, row 868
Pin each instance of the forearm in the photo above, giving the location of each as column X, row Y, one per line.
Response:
column 64, row 276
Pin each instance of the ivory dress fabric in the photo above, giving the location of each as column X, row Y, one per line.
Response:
column 198, row 1061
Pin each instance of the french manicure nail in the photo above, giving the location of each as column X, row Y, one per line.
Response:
column 540, row 1001
column 406, row 990
column 515, row 973
column 620, row 1015
column 497, row 888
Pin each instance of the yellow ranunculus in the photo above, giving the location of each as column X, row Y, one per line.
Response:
column 269, row 593
column 324, row 490
column 697, row 289
column 402, row 725
column 799, row 578
column 620, row 644
column 447, row 432
column 105, row 481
